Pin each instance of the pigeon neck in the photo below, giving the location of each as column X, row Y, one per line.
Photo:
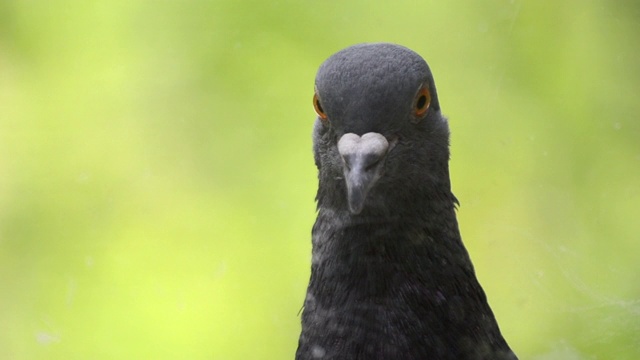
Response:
column 383, row 247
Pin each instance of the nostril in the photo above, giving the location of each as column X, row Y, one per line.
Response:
column 368, row 168
column 346, row 162
column 364, row 162
column 372, row 162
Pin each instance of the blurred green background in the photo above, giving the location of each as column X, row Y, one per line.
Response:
column 157, row 181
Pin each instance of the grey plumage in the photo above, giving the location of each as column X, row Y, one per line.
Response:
column 390, row 277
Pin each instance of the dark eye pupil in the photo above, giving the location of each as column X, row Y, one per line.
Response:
column 319, row 106
column 422, row 101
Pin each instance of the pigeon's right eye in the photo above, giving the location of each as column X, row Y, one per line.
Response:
column 318, row 107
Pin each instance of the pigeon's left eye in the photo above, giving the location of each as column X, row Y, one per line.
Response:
column 318, row 107
column 422, row 102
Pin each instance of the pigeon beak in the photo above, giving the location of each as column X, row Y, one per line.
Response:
column 362, row 159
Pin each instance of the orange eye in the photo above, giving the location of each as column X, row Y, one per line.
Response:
column 423, row 100
column 318, row 107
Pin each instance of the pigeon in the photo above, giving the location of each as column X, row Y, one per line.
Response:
column 390, row 276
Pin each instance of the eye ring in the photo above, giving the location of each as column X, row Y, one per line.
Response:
column 422, row 102
column 318, row 107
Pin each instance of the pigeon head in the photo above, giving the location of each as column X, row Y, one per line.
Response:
column 379, row 136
